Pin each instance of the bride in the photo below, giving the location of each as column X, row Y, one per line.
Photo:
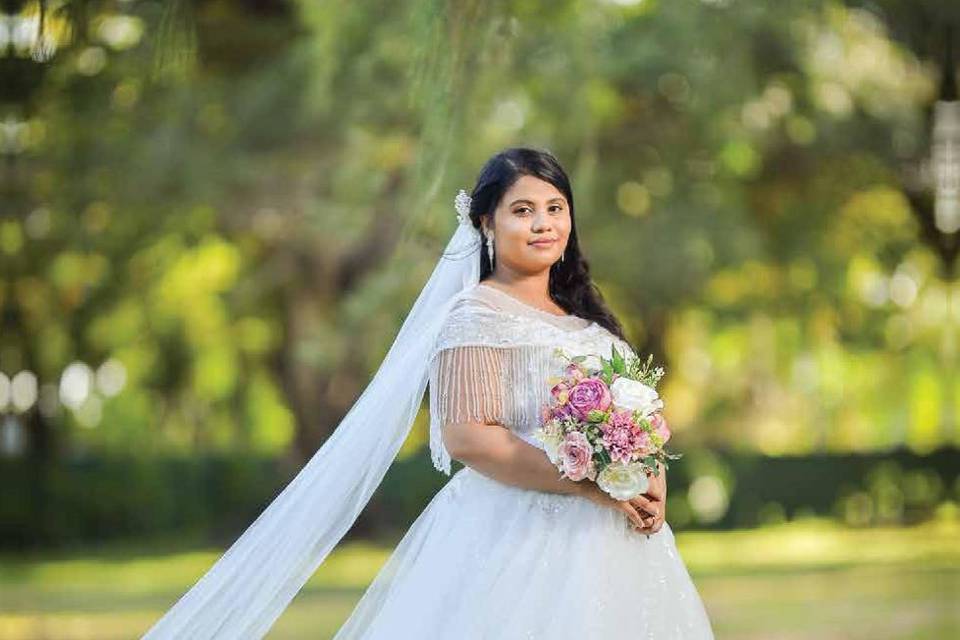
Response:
column 507, row 549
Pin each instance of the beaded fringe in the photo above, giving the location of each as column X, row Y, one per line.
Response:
column 487, row 384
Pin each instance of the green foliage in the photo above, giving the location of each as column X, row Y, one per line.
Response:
column 214, row 496
column 223, row 199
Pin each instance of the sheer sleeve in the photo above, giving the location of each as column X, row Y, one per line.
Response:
column 465, row 386
column 466, row 375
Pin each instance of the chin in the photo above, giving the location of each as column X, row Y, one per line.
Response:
column 541, row 264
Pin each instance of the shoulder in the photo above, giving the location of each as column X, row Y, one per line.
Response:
column 473, row 319
column 479, row 297
column 472, row 305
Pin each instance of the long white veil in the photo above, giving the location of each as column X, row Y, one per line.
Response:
column 248, row 588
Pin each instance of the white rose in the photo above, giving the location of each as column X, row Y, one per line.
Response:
column 635, row 396
column 623, row 481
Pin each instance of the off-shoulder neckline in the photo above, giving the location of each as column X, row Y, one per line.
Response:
column 528, row 305
column 568, row 322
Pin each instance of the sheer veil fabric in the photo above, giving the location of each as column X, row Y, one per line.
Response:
column 253, row 582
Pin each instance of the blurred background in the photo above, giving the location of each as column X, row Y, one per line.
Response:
column 216, row 214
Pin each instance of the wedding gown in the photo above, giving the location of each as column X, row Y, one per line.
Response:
column 491, row 561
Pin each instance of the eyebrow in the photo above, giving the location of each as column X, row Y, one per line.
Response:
column 531, row 201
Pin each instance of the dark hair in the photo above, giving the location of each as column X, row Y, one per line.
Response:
column 570, row 285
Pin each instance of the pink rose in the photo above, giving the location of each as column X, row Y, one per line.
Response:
column 576, row 456
column 588, row 395
column 659, row 424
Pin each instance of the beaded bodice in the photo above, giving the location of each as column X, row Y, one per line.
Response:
column 492, row 359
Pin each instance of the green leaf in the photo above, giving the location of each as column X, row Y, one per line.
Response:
column 617, row 360
column 596, row 415
column 607, row 371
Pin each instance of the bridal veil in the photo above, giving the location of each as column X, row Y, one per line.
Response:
column 252, row 583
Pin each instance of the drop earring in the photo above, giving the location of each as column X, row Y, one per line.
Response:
column 490, row 249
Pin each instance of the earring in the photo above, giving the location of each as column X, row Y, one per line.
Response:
column 562, row 255
column 490, row 249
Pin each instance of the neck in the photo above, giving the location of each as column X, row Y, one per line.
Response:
column 535, row 287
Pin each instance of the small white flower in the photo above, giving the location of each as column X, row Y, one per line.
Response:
column 592, row 362
column 551, row 437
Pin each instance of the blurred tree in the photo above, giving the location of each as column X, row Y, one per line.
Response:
column 217, row 213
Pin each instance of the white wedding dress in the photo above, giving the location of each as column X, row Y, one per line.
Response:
column 491, row 561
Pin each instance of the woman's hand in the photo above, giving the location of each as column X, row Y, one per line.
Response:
column 653, row 503
column 592, row 491
column 645, row 512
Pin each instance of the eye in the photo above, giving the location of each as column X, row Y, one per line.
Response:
column 554, row 208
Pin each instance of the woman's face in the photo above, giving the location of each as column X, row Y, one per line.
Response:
column 530, row 226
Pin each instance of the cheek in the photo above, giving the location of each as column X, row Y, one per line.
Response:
column 513, row 233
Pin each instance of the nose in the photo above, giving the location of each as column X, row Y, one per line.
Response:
column 541, row 220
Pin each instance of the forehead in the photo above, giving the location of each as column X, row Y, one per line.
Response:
column 532, row 189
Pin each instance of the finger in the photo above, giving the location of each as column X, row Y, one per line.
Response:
column 648, row 522
column 648, row 526
column 658, row 523
column 641, row 502
column 649, row 506
column 634, row 516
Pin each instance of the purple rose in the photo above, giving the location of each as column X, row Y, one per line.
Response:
column 588, row 395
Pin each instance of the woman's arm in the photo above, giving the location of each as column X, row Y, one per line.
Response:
column 497, row 452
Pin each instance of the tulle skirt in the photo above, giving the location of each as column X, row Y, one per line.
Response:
column 490, row 561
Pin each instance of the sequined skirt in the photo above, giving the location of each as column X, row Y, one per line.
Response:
column 490, row 561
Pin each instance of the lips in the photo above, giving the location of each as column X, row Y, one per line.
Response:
column 542, row 243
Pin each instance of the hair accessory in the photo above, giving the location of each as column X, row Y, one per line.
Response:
column 462, row 204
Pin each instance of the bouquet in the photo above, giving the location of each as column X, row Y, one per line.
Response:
column 603, row 422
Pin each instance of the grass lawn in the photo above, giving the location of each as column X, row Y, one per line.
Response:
column 805, row 579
